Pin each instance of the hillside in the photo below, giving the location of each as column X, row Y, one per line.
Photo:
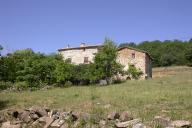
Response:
column 168, row 93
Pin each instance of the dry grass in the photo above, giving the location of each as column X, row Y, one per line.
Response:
column 168, row 94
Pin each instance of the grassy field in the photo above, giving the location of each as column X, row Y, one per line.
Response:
column 168, row 93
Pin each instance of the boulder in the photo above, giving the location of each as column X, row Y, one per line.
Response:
column 127, row 123
column 181, row 123
column 9, row 125
column 113, row 116
column 163, row 121
column 126, row 116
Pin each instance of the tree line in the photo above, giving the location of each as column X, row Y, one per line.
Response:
column 166, row 53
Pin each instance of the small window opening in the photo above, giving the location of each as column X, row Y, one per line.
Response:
column 68, row 60
column 133, row 55
column 86, row 60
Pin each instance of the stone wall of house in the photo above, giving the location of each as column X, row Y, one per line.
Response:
column 128, row 57
column 125, row 57
column 148, row 65
column 77, row 55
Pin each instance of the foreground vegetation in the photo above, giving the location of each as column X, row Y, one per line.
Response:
column 168, row 94
column 25, row 69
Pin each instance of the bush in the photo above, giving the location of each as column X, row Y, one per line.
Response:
column 134, row 72
column 68, row 84
column 21, row 85
column 5, row 85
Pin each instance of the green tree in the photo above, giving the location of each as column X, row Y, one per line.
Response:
column 105, row 61
column 63, row 72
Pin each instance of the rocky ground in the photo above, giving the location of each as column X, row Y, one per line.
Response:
column 37, row 117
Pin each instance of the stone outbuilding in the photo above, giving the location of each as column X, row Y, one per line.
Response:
column 136, row 57
column 126, row 56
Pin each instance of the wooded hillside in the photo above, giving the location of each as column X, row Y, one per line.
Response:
column 166, row 53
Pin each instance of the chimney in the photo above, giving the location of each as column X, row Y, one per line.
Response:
column 68, row 46
column 82, row 45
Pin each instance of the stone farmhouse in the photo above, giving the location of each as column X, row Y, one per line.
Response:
column 126, row 56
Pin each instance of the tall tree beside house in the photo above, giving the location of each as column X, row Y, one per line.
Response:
column 105, row 61
column 63, row 72
column 1, row 48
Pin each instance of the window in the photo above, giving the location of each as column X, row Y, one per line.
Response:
column 86, row 60
column 68, row 60
column 133, row 55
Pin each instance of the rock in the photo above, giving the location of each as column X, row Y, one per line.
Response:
column 2, row 119
column 65, row 125
column 16, row 122
column 9, row 125
column 51, row 113
column 139, row 125
column 181, row 123
column 57, row 123
column 45, row 121
column 24, row 116
column 41, row 112
column 127, row 123
column 34, row 116
column 126, row 116
column 102, row 82
column 113, row 116
column 35, row 124
column 163, row 121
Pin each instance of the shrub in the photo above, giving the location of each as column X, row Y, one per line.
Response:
column 5, row 85
column 134, row 72
column 68, row 84
column 21, row 85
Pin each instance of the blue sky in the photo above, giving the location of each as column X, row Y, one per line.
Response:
column 47, row 25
